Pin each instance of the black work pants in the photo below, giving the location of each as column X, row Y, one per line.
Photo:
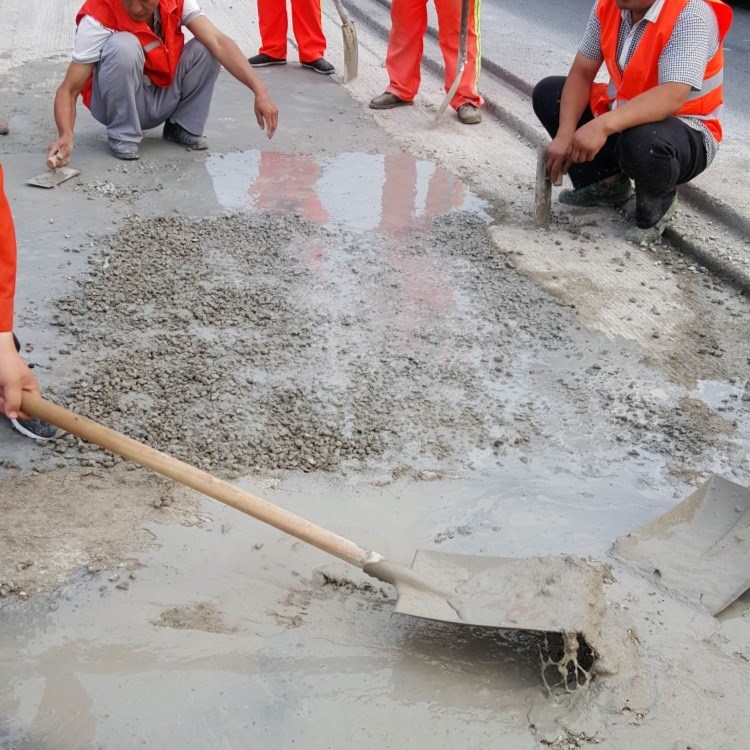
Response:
column 657, row 156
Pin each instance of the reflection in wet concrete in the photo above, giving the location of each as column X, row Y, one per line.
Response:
column 388, row 194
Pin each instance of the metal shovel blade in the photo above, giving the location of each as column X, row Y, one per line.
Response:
column 553, row 594
column 351, row 51
column 700, row 548
column 53, row 177
column 351, row 44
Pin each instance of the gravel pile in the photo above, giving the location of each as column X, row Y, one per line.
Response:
column 266, row 342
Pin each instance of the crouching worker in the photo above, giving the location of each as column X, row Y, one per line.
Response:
column 657, row 120
column 15, row 376
column 134, row 71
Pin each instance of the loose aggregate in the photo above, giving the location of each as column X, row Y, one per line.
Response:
column 229, row 343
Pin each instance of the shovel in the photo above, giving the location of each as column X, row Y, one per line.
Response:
column 351, row 45
column 494, row 592
column 700, row 548
column 463, row 48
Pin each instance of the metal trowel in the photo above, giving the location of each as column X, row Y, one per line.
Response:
column 54, row 176
column 700, row 548
column 543, row 190
column 549, row 594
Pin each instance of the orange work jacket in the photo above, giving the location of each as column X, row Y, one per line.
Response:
column 642, row 71
column 162, row 55
column 7, row 261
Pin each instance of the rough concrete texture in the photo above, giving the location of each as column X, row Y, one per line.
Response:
column 388, row 351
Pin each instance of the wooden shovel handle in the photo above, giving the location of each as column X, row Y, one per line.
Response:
column 196, row 479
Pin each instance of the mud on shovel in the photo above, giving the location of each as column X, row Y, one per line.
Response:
column 494, row 592
column 351, row 44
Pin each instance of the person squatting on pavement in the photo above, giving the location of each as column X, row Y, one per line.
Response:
column 656, row 121
column 15, row 376
column 134, row 70
column 404, row 56
column 307, row 23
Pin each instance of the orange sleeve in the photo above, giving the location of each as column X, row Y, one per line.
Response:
column 7, row 261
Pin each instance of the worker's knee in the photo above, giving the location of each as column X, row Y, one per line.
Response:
column 197, row 55
column 123, row 49
column 639, row 150
column 546, row 96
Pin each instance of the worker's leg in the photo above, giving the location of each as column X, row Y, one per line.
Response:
column 658, row 157
column 273, row 24
column 449, row 24
column 546, row 102
column 307, row 23
column 405, row 46
column 118, row 99
column 188, row 100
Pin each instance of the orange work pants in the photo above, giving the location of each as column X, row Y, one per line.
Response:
column 307, row 22
column 406, row 43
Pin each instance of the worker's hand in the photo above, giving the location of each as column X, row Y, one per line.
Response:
column 558, row 156
column 15, row 378
column 266, row 112
column 588, row 141
column 62, row 148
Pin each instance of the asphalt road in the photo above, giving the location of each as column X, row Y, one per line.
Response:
column 568, row 18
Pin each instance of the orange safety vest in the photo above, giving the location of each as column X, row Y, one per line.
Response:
column 162, row 54
column 7, row 261
column 642, row 71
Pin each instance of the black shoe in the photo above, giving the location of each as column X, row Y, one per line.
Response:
column 387, row 101
column 36, row 429
column 469, row 114
column 602, row 193
column 319, row 66
column 263, row 61
column 177, row 134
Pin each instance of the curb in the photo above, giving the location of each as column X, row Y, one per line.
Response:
column 694, row 196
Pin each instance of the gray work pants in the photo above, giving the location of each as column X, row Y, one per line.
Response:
column 127, row 102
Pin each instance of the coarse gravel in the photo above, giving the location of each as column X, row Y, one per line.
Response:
column 268, row 342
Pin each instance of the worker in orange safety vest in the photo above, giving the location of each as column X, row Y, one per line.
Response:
column 404, row 56
column 658, row 120
column 307, row 23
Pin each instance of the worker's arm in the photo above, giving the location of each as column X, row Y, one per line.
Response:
column 653, row 105
column 65, row 110
column 226, row 51
column 575, row 99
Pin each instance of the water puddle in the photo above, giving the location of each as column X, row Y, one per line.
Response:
column 387, row 194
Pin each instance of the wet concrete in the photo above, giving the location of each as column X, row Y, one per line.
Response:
column 295, row 648
column 511, row 431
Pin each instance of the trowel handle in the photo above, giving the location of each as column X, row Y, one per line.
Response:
column 196, row 479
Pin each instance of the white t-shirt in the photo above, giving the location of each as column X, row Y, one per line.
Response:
column 91, row 35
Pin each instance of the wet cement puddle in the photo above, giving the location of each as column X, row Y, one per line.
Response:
column 229, row 637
